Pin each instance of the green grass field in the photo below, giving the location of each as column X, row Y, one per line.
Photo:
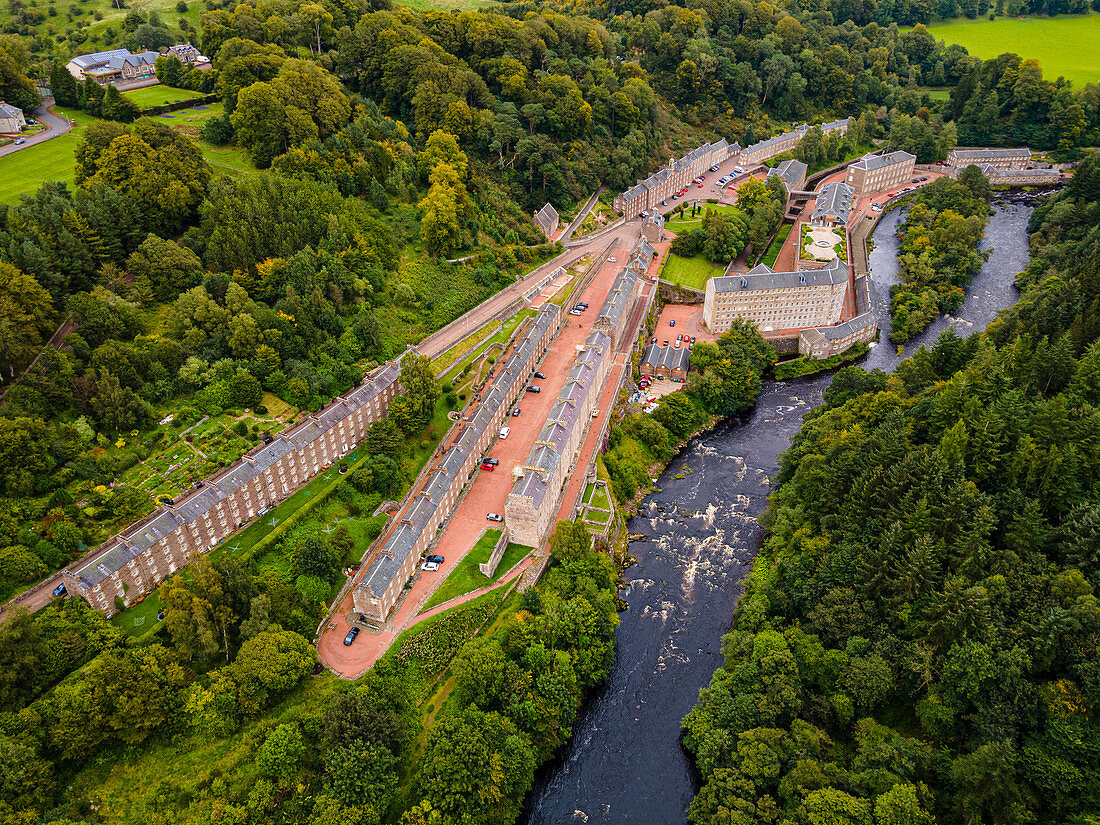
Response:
column 1067, row 46
column 466, row 577
column 159, row 95
column 22, row 172
column 692, row 272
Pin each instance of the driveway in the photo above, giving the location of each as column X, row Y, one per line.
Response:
column 55, row 126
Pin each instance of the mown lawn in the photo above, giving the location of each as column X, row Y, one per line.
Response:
column 686, row 221
column 692, row 272
column 23, row 172
column 1067, row 45
column 159, row 95
column 466, row 577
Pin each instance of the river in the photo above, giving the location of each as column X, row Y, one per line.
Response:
column 624, row 763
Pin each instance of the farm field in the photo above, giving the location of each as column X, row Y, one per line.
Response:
column 158, row 95
column 1067, row 46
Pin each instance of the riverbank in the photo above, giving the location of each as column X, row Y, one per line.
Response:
column 701, row 534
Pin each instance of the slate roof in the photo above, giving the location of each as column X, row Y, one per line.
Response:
column 981, row 154
column 871, row 162
column 618, row 299
column 834, row 199
column 218, row 488
column 667, row 356
column 790, row 172
column 848, row 327
column 568, row 413
column 7, row 110
column 763, row 277
column 396, row 548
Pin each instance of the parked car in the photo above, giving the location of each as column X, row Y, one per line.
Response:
column 583, row 304
column 429, row 566
column 436, row 558
column 677, row 344
column 574, row 312
column 611, row 260
column 666, row 342
column 693, row 339
column 20, row 141
column 738, row 169
column 921, row 180
column 515, row 412
column 654, row 341
column 504, row 431
column 351, row 636
column 595, row 412
column 539, row 375
column 672, row 322
column 494, row 517
column 534, row 389
column 493, row 461
column 59, row 590
column 486, row 466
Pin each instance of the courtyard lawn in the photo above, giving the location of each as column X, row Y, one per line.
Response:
column 139, row 619
column 1067, row 45
column 23, row 172
column 685, row 221
column 691, row 272
column 466, row 577
column 158, row 95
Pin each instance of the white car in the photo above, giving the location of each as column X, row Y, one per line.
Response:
column 494, row 517
column 738, row 169
column 429, row 566
column 504, row 431
column 611, row 260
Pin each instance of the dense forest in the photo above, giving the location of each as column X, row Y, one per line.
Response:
column 918, row 640
column 388, row 140
column 939, row 257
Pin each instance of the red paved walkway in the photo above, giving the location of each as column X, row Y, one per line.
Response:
column 488, row 491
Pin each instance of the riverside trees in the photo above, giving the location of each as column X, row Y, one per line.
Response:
column 918, row 640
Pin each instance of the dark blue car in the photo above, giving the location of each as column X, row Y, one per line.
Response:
column 59, row 590
column 351, row 635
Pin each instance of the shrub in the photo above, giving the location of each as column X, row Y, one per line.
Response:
column 260, row 409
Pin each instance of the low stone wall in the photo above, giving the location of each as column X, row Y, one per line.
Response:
column 489, row 568
column 679, row 294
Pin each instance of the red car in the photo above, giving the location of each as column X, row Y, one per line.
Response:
column 485, row 465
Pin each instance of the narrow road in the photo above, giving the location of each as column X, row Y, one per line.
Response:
column 577, row 221
column 55, row 127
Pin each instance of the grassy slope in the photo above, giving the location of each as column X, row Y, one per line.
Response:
column 1068, row 45
column 466, row 577
column 24, row 171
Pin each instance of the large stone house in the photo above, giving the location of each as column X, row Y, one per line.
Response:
column 997, row 158
column 11, row 119
column 547, row 220
column 776, row 301
column 113, row 66
column 833, row 205
column 383, row 578
column 877, row 173
column 131, row 564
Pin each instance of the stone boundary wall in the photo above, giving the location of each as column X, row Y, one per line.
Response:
column 679, row 294
column 489, row 568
